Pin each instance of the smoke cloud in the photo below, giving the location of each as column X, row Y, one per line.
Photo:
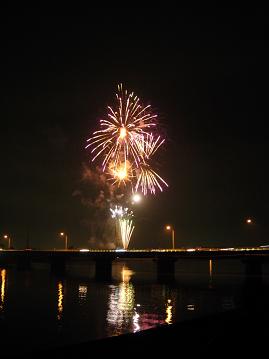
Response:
column 97, row 194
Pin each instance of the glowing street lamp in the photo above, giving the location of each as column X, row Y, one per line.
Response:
column 9, row 240
column 249, row 221
column 170, row 228
column 62, row 234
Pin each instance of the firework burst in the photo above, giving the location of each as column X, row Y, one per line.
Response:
column 125, row 143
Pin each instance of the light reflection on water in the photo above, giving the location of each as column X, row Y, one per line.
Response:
column 121, row 308
column 54, row 311
column 3, row 288
column 169, row 314
column 82, row 294
column 60, row 301
column 124, row 315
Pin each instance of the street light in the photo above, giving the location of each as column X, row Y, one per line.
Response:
column 170, row 228
column 8, row 238
column 62, row 234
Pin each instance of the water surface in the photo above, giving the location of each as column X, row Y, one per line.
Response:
column 38, row 309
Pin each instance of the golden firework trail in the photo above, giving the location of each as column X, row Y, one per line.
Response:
column 126, row 230
column 123, row 217
column 148, row 181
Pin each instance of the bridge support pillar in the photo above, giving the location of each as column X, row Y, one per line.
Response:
column 103, row 269
column 253, row 270
column 23, row 262
column 254, row 292
column 58, row 265
column 165, row 269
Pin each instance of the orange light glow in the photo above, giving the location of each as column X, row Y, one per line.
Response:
column 121, row 173
column 168, row 228
column 123, row 132
column 249, row 221
column 126, row 274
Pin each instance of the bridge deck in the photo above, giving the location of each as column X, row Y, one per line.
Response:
column 194, row 253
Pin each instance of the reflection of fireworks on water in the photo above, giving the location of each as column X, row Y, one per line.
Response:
column 126, row 274
column 124, row 223
column 121, row 307
column 122, row 313
column 82, row 294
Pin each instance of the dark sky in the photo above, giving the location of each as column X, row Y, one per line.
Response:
column 204, row 74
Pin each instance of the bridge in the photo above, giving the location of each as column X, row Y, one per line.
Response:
column 165, row 259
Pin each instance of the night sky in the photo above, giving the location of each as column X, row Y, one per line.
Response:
column 204, row 74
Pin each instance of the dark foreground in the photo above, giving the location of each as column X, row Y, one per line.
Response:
column 229, row 334
column 240, row 332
